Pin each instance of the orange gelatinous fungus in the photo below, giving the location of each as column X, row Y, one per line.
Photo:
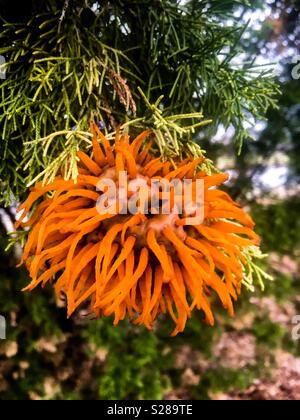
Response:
column 136, row 265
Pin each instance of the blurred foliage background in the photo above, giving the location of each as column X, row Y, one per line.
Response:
column 252, row 356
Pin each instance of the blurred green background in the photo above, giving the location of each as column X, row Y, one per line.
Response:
column 253, row 356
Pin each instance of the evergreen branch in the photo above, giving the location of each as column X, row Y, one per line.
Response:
column 253, row 273
column 63, row 72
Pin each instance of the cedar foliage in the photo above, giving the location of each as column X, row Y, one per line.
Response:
column 68, row 62
column 93, row 360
